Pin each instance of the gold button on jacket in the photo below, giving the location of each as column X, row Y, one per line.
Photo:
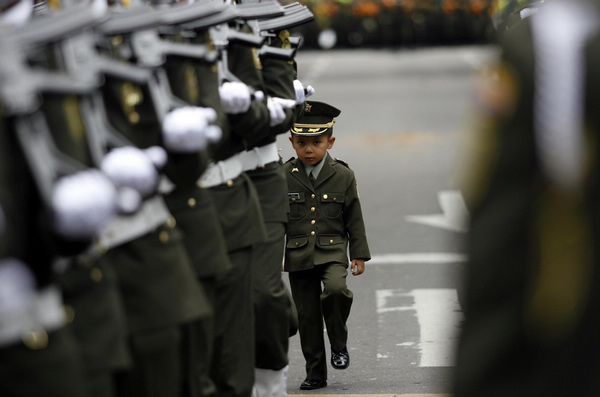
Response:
column 324, row 219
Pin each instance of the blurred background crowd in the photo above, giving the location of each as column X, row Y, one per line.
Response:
column 405, row 23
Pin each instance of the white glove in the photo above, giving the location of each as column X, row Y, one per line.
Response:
column 188, row 129
column 157, row 155
column 276, row 109
column 82, row 203
column 301, row 94
column 130, row 167
column 235, row 97
column 17, row 288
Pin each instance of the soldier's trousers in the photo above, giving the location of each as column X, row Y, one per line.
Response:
column 272, row 304
column 157, row 364
column 198, row 349
column 98, row 323
column 314, row 304
column 233, row 360
column 53, row 371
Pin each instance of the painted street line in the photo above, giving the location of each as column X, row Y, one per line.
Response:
column 415, row 257
column 454, row 214
column 438, row 314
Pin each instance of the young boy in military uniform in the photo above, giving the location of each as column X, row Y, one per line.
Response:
column 325, row 217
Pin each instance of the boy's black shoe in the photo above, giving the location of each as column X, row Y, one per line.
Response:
column 341, row 359
column 312, row 384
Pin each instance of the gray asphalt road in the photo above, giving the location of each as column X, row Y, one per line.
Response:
column 404, row 115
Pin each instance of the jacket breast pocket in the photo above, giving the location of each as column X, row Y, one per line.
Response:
column 297, row 242
column 297, row 205
column 332, row 204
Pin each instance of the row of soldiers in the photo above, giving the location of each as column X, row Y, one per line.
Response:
column 143, row 198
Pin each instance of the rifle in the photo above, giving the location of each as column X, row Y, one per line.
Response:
column 23, row 87
column 253, row 13
column 294, row 14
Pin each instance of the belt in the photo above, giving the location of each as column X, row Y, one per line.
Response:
column 221, row 172
column 259, row 156
column 30, row 324
column 124, row 228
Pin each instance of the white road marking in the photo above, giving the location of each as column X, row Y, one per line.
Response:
column 439, row 317
column 454, row 214
column 417, row 257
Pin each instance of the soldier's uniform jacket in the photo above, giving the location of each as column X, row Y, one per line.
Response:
column 325, row 219
column 530, row 276
column 278, row 78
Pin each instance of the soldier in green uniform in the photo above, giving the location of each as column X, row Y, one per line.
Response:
column 325, row 220
column 156, row 275
column 197, row 215
column 50, row 153
column 250, row 123
column 531, row 293
column 38, row 354
column 272, row 302
column 93, row 301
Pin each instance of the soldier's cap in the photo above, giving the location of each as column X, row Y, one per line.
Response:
column 318, row 118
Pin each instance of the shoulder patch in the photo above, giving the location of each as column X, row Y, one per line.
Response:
column 284, row 36
column 342, row 162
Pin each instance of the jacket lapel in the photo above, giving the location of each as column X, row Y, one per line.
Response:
column 299, row 172
column 326, row 172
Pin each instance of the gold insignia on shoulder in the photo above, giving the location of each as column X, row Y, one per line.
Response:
column 209, row 41
column 191, row 84
column 295, row 170
column 73, row 118
column 284, row 36
column 131, row 96
column 256, row 59
column 116, row 40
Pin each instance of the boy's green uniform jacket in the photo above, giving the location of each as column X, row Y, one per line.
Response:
column 325, row 219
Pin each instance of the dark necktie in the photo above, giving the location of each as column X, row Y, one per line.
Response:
column 311, row 178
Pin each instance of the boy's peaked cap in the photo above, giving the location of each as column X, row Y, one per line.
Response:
column 317, row 119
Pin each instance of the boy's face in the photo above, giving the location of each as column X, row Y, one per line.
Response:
column 311, row 149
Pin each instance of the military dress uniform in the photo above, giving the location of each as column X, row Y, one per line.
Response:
column 156, row 275
column 272, row 301
column 39, row 354
column 47, row 353
column 530, row 286
column 325, row 220
column 197, row 216
column 237, row 206
column 92, row 304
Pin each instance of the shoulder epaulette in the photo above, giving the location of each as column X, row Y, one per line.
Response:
column 291, row 159
column 342, row 162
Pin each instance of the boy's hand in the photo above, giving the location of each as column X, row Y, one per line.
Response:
column 358, row 267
